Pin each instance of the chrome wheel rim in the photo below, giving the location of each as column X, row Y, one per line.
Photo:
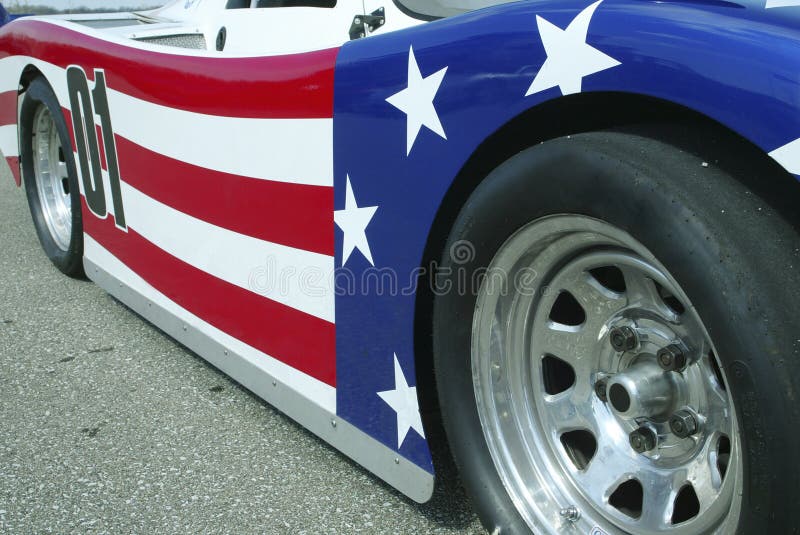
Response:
column 52, row 178
column 559, row 404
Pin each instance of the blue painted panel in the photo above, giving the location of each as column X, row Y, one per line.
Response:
column 738, row 65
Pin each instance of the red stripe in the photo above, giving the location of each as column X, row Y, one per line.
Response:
column 295, row 215
column 13, row 163
column 297, row 339
column 8, row 108
column 8, row 115
column 291, row 86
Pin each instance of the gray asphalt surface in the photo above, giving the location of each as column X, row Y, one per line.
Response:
column 109, row 426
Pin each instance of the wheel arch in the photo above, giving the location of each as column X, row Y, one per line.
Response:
column 26, row 76
column 685, row 128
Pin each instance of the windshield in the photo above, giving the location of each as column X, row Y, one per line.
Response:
column 444, row 8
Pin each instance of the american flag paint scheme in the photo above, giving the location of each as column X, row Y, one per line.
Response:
column 276, row 206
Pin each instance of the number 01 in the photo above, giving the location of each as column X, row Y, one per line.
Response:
column 85, row 105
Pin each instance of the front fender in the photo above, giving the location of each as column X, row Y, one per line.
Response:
column 737, row 65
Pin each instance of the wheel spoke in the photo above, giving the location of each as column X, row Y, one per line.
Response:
column 659, row 495
column 62, row 170
column 642, row 291
column 703, row 474
column 597, row 301
column 610, row 465
column 718, row 414
column 571, row 344
column 570, row 410
column 559, row 340
column 578, row 345
column 604, row 473
column 691, row 328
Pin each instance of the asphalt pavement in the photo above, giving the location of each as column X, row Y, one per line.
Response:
column 107, row 425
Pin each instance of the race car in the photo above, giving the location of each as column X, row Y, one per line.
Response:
column 564, row 230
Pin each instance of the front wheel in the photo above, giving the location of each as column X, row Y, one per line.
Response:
column 50, row 178
column 629, row 360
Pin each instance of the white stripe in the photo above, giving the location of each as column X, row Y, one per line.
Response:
column 782, row 3
column 300, row 279
column 788, row 156
column 296, row 278
column 303, row 43
column 298, row 151
column 8, row 140
column 11, row 71
column 316, row 391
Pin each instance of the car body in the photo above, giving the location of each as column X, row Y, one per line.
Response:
column 282, row 190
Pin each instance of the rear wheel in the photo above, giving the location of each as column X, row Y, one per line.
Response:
column 623, row 364
column 50, row 178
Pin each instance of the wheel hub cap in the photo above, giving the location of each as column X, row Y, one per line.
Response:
column 643, row 390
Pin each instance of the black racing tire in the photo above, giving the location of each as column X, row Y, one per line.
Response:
column 735, row 257
column 68, row 258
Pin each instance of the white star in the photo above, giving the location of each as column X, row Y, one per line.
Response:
column 416, row 101
column 782, row 3
column 788, row 156
column 353, row 221
column 569, row 57
column 403, row 400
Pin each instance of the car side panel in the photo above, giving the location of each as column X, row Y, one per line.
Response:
column 219, row 228
column 210, row 198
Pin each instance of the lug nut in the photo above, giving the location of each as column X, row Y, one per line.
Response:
column 601, row 388
column 623, row 339
column 642, row 440
column 671, row 358
column 570, row 514
column 683, row 424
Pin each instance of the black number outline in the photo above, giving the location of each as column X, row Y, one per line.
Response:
column 85, row 105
